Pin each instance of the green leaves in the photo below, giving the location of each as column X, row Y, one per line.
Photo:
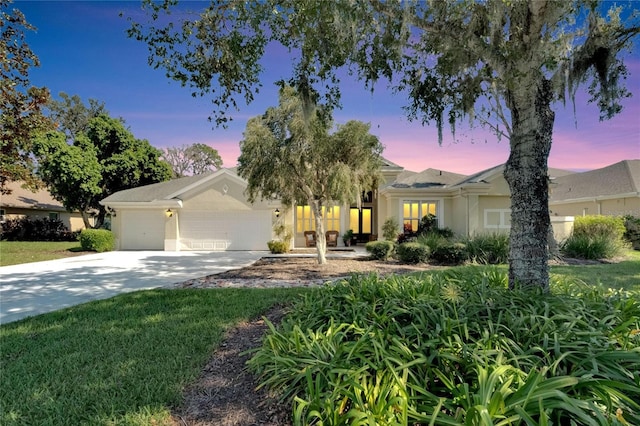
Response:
column 395, row 351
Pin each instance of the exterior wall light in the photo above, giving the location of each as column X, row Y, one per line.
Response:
column 277, row 212
column 168, row 213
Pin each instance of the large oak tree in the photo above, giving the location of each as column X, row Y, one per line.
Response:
column 506, row 63
column 289, row 154
column 107, row 154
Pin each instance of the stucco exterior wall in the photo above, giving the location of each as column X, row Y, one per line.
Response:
column 610, row 207
column 73, row 221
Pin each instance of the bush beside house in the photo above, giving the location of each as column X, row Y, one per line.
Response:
column 98, row 240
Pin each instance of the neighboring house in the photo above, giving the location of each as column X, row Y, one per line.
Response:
column 211, row 212
column 612, row 191
column 22, row 202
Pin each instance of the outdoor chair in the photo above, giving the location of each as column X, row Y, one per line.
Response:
column 310, row 238
column 332, row 238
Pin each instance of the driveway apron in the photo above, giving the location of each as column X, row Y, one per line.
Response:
column 36, row 288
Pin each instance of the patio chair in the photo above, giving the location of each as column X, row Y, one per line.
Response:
column 310, row 238
column 332, row 238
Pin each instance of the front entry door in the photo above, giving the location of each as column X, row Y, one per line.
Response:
column 361, row 222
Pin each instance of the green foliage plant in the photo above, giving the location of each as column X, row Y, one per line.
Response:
column 390, row 229
column 450, row 253
column 413, row 252
column 632, row 231
column 596, row 237
column 277, row 246
column 380, row 250
column 456, row 347
column 488, row 248
column 98, row 240
column 36, row 229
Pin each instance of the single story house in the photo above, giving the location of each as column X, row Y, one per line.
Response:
column 211, row 212
column 22, row 202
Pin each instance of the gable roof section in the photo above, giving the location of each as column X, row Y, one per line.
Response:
column 429, row 178
column 23, row 198
column 164, row 192
column 487, row 175
column 619, row 179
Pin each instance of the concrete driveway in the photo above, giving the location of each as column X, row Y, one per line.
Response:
column 40, row 287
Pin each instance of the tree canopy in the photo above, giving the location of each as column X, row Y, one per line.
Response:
column 288, row 153
column 71, row 116
column 192, row 159
column 504, row 63
column 107, row 155
column 21, row 105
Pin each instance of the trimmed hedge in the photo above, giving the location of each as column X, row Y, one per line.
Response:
column 36, row 229
column 450, row 254
column 413, row 252
column 380, row 250
column 97, row 240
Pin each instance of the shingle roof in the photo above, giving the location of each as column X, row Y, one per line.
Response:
column 485, row 175
column 155, row 191
column 617, row 179
column 426, row 179
column 26, row 199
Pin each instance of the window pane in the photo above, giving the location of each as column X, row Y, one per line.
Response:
column 354, row 216
column 414, row 210
column 366, row 221
column 431, row 209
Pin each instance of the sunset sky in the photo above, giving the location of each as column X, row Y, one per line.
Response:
column 84, row 51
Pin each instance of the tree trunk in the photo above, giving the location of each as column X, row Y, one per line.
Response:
column 85, row 219
column 321, row 240
column 526, row 173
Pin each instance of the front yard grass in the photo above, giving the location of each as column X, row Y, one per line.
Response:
column 16, row 252
column 123, row 360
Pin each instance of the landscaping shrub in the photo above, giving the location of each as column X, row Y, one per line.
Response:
column 97, row 240
column 450, row 253
column 36, row 229
column 413, row 252
column 276, row 246
column 390, row 229
column 380, row 250
column 488, row 249
column 595, row 237
column 456, row 348
column 632, row 231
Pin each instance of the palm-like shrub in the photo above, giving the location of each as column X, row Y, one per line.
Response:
column 456, row 348
column 488, row 249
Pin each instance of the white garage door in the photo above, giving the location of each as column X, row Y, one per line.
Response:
column 142, row 230
column 233, row 230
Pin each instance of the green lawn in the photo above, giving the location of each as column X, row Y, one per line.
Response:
column 124, row 360
column 15, row 252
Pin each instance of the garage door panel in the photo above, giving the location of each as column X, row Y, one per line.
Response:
column 142, row 230
column 232, row 230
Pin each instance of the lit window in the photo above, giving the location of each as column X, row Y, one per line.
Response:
column 414, row 211
column 306, row 222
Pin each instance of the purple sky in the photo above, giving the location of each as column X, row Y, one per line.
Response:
column 84, row 51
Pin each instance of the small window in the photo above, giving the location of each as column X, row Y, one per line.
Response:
column 497, row 219
column 54, row 216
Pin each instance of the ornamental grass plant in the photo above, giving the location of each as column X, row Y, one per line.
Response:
column 457, row 348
